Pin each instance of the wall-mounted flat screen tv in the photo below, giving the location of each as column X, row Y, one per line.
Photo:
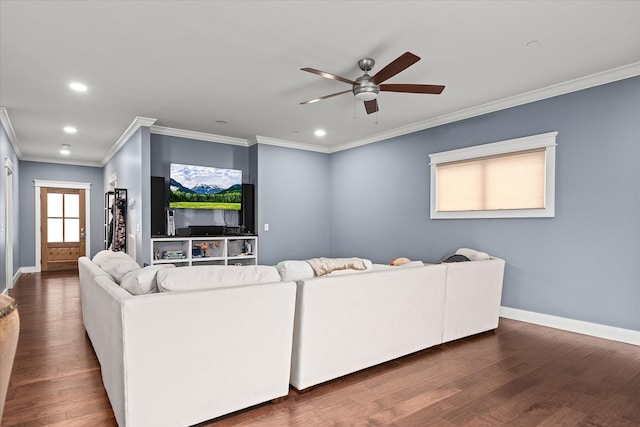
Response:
column 204, row 187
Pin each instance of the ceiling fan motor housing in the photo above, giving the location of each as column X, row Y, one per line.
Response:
column 364, row 89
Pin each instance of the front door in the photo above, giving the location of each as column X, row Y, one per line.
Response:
column 63, row 228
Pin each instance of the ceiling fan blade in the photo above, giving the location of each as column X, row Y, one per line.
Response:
column 371, row 106
column 328, row 75
column 401, row 63
column 311, row 101
column 409, row 88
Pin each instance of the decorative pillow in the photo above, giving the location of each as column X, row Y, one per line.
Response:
column 108, row 255
column 143, row 281
column 118, row 268
column 293, row 270
column 455, row 258
column 214, row 276
column 472, row 254
column 410, row 264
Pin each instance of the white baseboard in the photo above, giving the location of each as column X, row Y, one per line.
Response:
column 628, row 336
column 33, row 269
column 16, row 277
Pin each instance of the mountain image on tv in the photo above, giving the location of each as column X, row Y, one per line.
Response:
column 203, row 187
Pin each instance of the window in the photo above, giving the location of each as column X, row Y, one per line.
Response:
column 506, row 179
column 63, row 217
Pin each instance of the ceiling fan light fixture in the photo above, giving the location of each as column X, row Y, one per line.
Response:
column 364, row 89
column 365, row 93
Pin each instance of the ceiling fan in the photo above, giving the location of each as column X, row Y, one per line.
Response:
column 366, row 87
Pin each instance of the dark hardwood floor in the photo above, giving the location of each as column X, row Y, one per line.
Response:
column 519, row 375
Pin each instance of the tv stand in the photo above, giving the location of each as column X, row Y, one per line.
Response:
column 205, row 250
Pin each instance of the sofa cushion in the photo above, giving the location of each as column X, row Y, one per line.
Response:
column 118, row 268
column 294, row 270
column 214, row 276
column 143, row 281
column 109, row 255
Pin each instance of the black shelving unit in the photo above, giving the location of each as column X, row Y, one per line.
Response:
column 115, row 219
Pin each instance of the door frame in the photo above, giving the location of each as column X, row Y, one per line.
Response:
column 8, row 225
column 38, row 184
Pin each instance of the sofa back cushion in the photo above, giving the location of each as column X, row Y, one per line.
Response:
column 108, row 255
column 143, row 281
column 118, row 268
column 214, row 276
column 294, row 270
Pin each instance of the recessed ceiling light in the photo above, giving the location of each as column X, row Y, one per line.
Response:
column 320, row 132
column 78, row 87
column 222, row 122
column 65, row 150
column 70, row 129
column 533, row 43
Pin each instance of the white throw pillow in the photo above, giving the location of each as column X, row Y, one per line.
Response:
column 143, row 281
column 293, row 270
column 118, row 268
column 472, row 254
column 108, row 255
column 214, row 276
column 411, row 264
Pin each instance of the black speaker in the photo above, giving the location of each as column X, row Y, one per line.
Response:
column 206, row 230
column 247, row 210
column 158, row 206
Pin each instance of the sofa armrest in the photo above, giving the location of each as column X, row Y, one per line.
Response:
column 473, row 295
column 195, row 355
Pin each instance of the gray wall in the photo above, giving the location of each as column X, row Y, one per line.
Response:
column 581, row 265
column 6, row 151
column 56, row 172
column 170, row 149
column 293, row 199
column 132, row 167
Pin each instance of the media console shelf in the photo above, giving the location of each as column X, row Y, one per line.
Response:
column 221, row 250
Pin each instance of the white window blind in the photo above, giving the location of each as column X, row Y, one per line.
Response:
column 507, row 181
column 513, row 178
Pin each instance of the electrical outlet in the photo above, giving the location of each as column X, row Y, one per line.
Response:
column 266, row 227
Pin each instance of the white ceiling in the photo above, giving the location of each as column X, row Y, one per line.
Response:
column 191, row 63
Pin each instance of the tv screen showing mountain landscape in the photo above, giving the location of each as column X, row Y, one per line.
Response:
column 203, row 187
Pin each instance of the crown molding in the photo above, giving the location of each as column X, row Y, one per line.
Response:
column 288, row 144
column 597, row 79
column 620, row 73
column 137, row 123
column 61, row 161
column 201, row 136
column 8, row 127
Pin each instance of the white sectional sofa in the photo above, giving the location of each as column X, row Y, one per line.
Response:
column 180, row 358
column 222, row 338
column 345, row 323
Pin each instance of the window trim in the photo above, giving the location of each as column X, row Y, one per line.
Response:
column 545, row 140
